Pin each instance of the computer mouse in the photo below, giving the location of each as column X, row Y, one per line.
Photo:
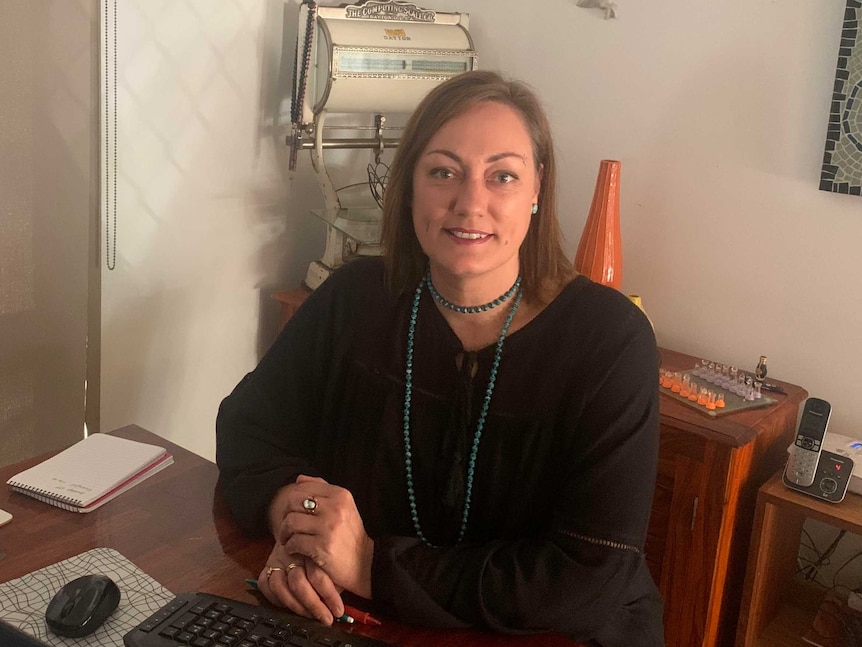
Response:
column 82, row 605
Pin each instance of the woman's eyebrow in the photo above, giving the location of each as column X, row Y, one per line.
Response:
column 493, row 158
column 504, row 155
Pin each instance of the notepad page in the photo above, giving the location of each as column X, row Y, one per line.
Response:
column 88, row 469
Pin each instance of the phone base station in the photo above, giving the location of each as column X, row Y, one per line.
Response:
column 851, row 448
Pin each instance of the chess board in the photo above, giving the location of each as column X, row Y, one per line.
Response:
column 733, row 403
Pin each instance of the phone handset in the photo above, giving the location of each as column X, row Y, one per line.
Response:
column 802, row 464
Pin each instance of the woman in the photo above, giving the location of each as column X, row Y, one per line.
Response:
column 462, row 431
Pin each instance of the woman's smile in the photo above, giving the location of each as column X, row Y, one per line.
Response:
column 469, row 236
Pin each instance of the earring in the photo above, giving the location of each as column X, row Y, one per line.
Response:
column 535, row 209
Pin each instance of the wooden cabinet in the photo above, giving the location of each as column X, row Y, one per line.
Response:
column 776, row 611
column 709, row 473
column 289, row 301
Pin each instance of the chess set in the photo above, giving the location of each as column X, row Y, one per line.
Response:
column 717, row 389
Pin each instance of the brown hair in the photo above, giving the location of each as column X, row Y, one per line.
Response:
column 543, row 264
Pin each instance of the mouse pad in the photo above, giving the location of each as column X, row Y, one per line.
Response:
column 23, row 601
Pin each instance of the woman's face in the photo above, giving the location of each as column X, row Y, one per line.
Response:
column 474, row 186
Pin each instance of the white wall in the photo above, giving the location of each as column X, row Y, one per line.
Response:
column 717, row 111
column 208, row 223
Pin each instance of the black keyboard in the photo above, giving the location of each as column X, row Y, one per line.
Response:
column 206, row 620
column 11, row 636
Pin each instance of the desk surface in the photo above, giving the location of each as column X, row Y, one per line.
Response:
column 176, row 528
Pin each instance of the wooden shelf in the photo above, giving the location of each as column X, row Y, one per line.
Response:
column 793, row 618
column 777, row 609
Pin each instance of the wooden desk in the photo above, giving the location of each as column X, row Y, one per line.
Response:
column 177, row 529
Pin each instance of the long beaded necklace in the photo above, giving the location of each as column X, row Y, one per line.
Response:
column 408, row 391
column 470, row 310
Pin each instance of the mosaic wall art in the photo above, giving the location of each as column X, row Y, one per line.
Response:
column 842, row 160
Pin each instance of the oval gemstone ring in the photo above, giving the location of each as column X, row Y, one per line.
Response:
column 310, row 505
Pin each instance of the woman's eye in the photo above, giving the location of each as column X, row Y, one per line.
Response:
column 442, row 173
column 504, row 177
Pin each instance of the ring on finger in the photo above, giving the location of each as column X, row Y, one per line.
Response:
column 310, row 505
column 272, row 569
column 293, row 565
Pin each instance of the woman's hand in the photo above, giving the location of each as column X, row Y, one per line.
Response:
column 321, row 522
column 291, row 581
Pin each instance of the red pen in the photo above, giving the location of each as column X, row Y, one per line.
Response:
column 361, row 616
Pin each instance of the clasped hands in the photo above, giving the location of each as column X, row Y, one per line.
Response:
column 321, row 549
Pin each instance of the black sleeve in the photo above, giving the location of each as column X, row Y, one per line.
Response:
column 265, row 429
column 586, row 576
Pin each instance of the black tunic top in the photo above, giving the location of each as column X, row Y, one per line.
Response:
column 564, row 473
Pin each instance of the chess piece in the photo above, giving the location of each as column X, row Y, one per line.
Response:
column 760, row 369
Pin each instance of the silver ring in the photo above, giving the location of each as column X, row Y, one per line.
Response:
column 272, row 569
column 310, row 505
column 293, row 565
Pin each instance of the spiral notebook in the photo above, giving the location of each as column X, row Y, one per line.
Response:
column 91, row 472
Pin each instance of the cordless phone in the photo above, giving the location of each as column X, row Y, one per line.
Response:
column 805, row 452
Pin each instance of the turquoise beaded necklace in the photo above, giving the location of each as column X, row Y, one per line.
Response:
column 470, row 310
column 408, row 391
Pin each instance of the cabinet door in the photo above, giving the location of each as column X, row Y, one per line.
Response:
column 685, row 522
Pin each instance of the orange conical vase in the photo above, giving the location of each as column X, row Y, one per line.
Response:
column 600, row 251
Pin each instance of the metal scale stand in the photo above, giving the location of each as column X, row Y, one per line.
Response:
column 371, row 57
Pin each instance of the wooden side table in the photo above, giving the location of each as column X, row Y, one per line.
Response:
column 775, row 611
column 710, row 470
column 290, row 301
